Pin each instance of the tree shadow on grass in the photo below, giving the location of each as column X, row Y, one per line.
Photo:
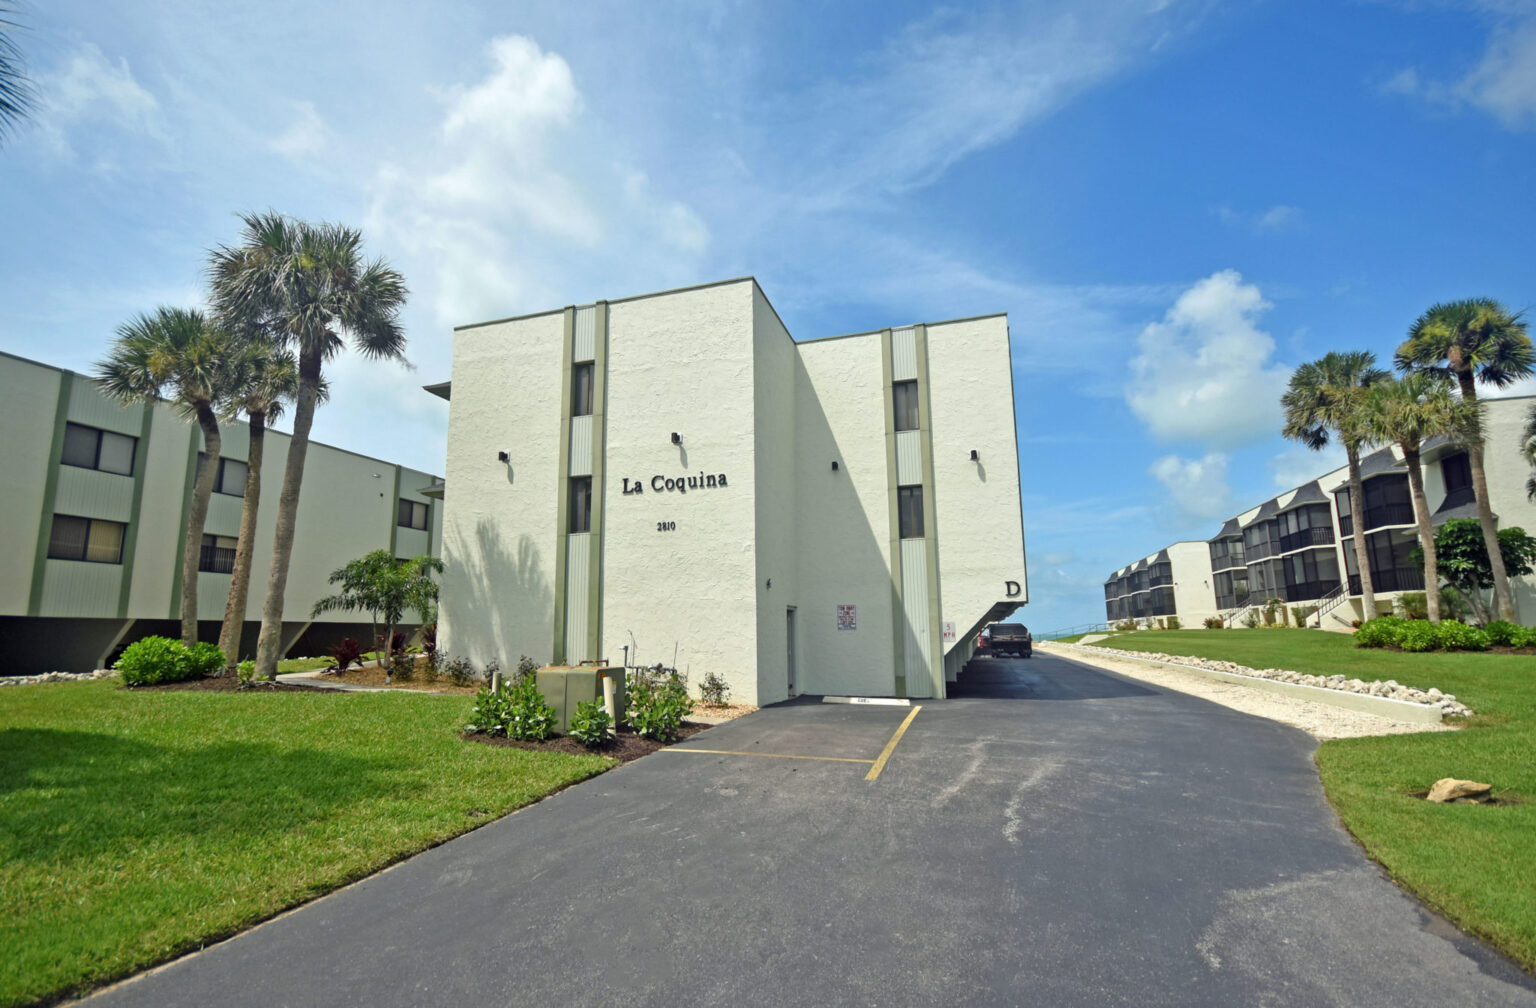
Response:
column 75, row 794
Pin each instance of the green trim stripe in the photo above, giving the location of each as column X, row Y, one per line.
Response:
column 563, row 486
column 599, row 449
column 394, row 517
column 930, row 517
column 194, row 437
column 131, row 547
column 50, row 495
column 898, row 613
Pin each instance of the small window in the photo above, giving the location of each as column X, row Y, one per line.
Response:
column 93, row 448
column 413, row 514
column 905, row 395
column 88, row 539
column 909, row 509
column 581, row 389
column 218, row 554
column 581, row 503
column 230, row 479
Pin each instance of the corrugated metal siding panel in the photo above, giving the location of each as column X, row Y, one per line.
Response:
column 904, row 354
column 213, row 595
column 584, row 335
column 909, row 457
column 88, row 406
column 71, row 588
column 92, row 494
column 577, row 567
column 581, row 446
column 412, row 542
column 914, row 601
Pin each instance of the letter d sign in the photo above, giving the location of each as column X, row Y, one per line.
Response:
column 1012, row 588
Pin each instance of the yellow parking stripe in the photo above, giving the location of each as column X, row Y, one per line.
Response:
column 890, row 746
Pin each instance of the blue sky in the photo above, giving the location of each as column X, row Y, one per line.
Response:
column 1175, row 202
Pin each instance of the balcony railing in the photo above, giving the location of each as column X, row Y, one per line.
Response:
column 216, row 560
column 1320, row 536
column 1388, row 514
column 1308, row 591
column 1258, row 551
column 1402, row 579
column 1160, row 581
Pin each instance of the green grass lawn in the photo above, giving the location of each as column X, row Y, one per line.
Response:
column 1476, row 865
column 139, row 825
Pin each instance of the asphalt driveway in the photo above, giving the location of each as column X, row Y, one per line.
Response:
column 1055, row 835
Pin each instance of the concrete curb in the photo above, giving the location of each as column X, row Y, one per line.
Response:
column 1394, row 710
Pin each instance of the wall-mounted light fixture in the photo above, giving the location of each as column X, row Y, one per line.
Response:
column 502, row 456
column 975, row 455
column 834, row 465
column 677, row 438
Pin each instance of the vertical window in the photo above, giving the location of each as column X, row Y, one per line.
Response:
column 93, row 448
column 413, row 514
column 218, row 554
column 909, row 504
column 581, row 389
column 89, row 539
column 581, row 504
column 230, row 477
column 904, row 394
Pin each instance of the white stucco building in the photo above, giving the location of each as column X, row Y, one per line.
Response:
column 674, row 474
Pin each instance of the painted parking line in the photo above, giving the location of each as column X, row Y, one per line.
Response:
column 875, row 765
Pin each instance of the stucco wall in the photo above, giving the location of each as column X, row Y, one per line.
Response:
column 1508, row 471
column 778, row 548
column 844, row 534
column 498, row 535
column 28, row 399
column 976, row 505
column 1194, row 597
column 683, row 363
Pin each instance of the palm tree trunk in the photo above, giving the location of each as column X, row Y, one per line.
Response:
column 1503, row 599
column 1426, row 531
column 240, row 581
column 269, row 645
column 197, row 518
column 1357, row 518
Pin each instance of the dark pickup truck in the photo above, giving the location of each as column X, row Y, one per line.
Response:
column 1009, row 639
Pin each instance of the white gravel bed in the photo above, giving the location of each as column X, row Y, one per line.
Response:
column 1320, row 720
column 28, row 680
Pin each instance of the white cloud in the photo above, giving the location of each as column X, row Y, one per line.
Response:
column 305, row 138
column 1197, row 488
column 89, row 90
column 1502, row 84
column 1280, row 217
column 516, row 207
column 1204, row 373
column 1297, row 466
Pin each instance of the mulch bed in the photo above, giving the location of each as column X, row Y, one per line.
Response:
column 625, row 747
column 225, row 684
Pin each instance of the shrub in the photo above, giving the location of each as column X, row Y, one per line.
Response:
column 1503, row 633
column 1251, row 620
column 590, row 724
column 429, row 640
column 1125, row 626
column 460, row 671
column 154, row 660
column 1384, row 631
column 344, row 654
column 1457, row 636
column 1173, row 623
column 1213, row 623
column 714, row 690
column 525, row 667
column 658, row 705
column 402, row 667
column 1527, row 637
column 246, row 673
column 1302, row 613
column 528, row 716
column 204, row 659
column 1412, row 605
column 1419, row 635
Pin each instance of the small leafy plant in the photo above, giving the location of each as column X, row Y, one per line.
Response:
column 460, row 671
column 516, row 711
column 657, row 705
column 1502, row 633
column 526, row 667
column 1457, row 636
column 590, row 724
column 714, row 691
column 154, row 660
column 246, row 673
column 344, row 654
column 1419, row 635
column 204, row 659
column 1213, row 623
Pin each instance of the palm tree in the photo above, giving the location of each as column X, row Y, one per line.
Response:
column 1475, row 340
column 1408, row 412
column 16, row 95
column 1528, row 449
column 176, row 353
column 304, row 287
column 1322, row 402
column 266, row 378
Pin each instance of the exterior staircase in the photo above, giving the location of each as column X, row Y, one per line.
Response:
column 1328, row 603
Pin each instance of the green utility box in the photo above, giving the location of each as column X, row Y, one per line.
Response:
column 565, row 686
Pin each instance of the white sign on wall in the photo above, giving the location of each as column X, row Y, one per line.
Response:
column 949, row 632
column 847, row 617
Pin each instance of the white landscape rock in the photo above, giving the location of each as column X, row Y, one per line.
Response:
column 46, row 677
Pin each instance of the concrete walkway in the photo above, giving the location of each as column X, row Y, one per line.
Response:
column 1055, row 836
